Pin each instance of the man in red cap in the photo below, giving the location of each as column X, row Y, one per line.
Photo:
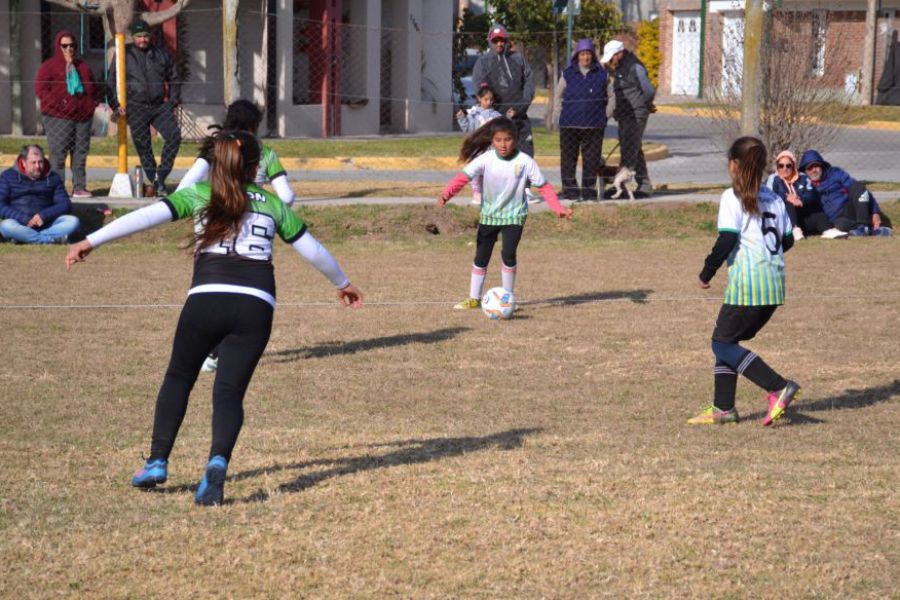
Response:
column 509, row 75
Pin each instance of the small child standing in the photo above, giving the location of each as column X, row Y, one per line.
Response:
column 504, row 208
column 754, row 233
column 473, row 119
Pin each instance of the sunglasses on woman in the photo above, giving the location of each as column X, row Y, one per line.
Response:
column 785, row 165
column 64, row 46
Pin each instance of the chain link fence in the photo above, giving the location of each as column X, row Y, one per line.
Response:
column 329, row 75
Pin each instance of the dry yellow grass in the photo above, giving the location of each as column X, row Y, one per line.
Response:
column 408, row 450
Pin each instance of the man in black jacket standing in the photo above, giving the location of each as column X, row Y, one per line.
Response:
column 509, row 75
column 149, row 70
column 634, row 102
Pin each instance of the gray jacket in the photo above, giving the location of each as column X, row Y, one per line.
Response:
column 632, row 87
column 509, row 76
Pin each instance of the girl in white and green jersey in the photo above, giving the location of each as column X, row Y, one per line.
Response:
column 231, row 300
column 754, row 233
column 243, row 115
column 491, row 153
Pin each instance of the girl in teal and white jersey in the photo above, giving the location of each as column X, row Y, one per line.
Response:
column 243, row 115
column 491, row 153
column 754, row 233
column 231, row 300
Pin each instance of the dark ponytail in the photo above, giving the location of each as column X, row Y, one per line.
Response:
column 750, row 154
column 241, row 115
column 235, row 158
column 482, row 138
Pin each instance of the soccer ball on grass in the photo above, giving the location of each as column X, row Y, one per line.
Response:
column 497, row 303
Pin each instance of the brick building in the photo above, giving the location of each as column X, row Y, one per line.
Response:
column 822, row 42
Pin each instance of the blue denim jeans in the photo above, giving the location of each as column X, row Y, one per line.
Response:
column 57, row 232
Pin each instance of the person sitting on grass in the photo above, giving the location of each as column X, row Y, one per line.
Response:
column 847, row 204
column 801, row 199
column 34, row 204
column 231, row 301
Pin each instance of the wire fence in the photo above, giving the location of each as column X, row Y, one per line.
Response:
column 330, row 75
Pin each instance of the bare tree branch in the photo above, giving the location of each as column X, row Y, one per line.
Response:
column 155, row 18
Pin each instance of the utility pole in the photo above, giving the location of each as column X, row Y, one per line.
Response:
column 229, row 51
column 753, row 36
column 868, row 69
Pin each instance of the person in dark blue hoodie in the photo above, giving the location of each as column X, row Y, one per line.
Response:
column 582, row 96
column 34, row 204
column 849, row 206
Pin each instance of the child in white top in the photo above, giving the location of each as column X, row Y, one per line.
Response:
column 754, row 234
column 491, row 153
column 476, row 117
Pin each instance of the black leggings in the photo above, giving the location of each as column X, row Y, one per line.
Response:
column 487, row 237
column 239, row 325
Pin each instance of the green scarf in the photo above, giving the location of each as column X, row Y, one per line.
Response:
column 73, row 81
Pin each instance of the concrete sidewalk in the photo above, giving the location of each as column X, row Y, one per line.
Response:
column 662, row 197
column 353, row 163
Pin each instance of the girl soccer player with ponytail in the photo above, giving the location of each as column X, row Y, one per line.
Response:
column 506, row 173
column 754, row 234
column 231, row 299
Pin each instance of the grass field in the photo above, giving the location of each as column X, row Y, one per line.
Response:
column 408, row 450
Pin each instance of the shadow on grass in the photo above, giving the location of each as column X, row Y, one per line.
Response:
column 636, row 296
column 91, row 217
column 334, row 348
column 850, row 399
column 407, row 452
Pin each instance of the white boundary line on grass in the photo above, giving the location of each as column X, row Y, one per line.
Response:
column 624, row 297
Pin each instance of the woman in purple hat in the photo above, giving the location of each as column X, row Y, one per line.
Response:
column 582, row 121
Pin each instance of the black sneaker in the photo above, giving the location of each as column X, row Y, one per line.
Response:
column 161, row 189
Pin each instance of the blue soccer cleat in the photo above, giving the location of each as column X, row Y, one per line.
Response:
column 212, row 489
column 154, row 472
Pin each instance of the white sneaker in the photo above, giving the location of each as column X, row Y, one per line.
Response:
column 210, row 364
column 798, row 234
column 476, row 198
column 834, row 234
column 531, row 197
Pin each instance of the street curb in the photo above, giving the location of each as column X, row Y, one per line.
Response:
column 357, row 163
column 711, row 112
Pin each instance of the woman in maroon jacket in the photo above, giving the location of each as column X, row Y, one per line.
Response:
column 68, row 95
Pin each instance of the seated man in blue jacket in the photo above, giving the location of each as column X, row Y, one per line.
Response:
column 847, row 203
column 34, row 204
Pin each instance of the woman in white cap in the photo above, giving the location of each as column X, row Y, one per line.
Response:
column 634, row 103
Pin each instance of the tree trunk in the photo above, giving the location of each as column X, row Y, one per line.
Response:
column 15, row 67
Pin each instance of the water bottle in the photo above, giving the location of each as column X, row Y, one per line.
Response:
column 138, row 182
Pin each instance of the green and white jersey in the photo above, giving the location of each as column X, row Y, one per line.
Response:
column 756, row 265
column 269, row 166
column 241, row 264
column 503, row 199
column 265, row 218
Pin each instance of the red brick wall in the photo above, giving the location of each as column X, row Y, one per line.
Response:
column 844, row 43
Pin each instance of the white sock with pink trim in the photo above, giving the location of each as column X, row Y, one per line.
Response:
column 508, row 277
column 477, row 282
